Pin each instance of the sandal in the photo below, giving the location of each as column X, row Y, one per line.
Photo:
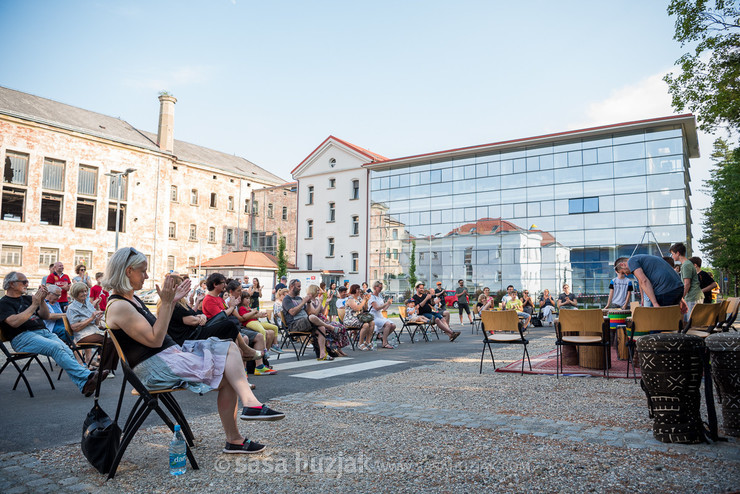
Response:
column 326, row 357
column 388, row 346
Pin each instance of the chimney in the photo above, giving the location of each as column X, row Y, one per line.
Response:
column 166, row 132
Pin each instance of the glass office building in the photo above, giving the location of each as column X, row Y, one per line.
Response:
column 535, row 212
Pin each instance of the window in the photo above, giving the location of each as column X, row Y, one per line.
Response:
column 395, row 254
column 173, row 193
column 85, row 214
column 245, row 242
column 193, row 233
column 112, row 218
column 83, row 257
column 355, row 189
column 194, row 197
column 172, row 232
column 332, row 162
column 310, row 195
column 118, row 187
column 13, row 204
column 388, row 253
column 230, row 203
column 51, row 209
column 309, row 228
column 285, row 212
column 16, row 168
column 229, row 236
column 87, row 181
column 309, row 262
column 355, row 262
column 332, row 183
column 332, row 212
column 170, row 263
column 11, row 255
column 246, row 206
column 192, row 267
column 355, row 225
column 212, row 234
column 53, row 176
column 214, row 200
column 395, row 234
column 331, row 247
column 270, row 211
column 256, row 208
column 584, row 205
column 47, row 256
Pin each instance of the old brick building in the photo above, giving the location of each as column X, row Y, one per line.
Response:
column 182, row 205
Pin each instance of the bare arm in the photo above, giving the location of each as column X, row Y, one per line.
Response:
column 609, row 300
column 709, row 288
column 646, row 288
column 295, row 310
column 686, row 286
column 17, row 319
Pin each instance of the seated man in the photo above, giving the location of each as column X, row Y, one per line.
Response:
column 515, row 303
column 422, row 299
column 21, row 320
column 297, row 319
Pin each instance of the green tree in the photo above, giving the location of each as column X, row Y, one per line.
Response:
column 412, row 265
column 721, row 229
column 282, row 261
column 709, row 82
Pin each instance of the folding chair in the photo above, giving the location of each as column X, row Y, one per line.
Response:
column 79, row 348
column 502, row 327
column 302, row 337
column 12, row 357
column 146, row 402
column 475, row 325
column 646, row 320
column 585, row 327
column 407, row 325
column 703, row 319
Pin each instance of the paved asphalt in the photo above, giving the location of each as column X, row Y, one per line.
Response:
column 54, row 417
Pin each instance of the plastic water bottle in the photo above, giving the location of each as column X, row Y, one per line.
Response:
column 177, row 453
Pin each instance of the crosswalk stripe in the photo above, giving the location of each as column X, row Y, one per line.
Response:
column 306, row 362
column 347, row 369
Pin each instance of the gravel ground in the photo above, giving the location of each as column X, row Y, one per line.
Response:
column 436, row 428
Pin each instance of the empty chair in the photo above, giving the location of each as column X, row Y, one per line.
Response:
column 581, row 328
column 502, row 327
column 728, row 317
column 703, row 319
column 646, row 320
column 13, row 357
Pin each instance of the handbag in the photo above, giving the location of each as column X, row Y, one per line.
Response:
column 365, row 317
column 100, row 434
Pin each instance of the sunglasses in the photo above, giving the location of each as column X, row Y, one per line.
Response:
column 25, row 282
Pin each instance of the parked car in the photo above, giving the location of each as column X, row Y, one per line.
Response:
column 149, row 297
column 450, row 299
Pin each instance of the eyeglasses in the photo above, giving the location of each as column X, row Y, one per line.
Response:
column 25, row 282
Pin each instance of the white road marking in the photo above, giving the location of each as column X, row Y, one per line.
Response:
column 304, row 362
column 347, row 369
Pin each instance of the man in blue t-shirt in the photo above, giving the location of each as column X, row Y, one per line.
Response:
column 660, row 284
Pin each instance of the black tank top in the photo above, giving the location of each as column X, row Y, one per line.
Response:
column 134, row 351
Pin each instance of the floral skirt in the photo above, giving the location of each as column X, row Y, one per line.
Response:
column 336, row 337
column 198, row 365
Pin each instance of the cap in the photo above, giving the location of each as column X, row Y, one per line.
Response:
column 418, row 283
column 439, row 282
column 283, row 277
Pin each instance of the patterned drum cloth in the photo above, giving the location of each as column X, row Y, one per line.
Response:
column 725, row 351
column 672, row 368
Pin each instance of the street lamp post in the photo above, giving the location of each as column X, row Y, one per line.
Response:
column 118, row 176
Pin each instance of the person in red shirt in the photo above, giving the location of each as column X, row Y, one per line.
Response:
column 58, row 278
column 97, row 293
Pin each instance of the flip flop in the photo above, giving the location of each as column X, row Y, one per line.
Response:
column 388, row 347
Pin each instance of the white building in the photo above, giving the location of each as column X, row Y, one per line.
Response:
column 331, row 238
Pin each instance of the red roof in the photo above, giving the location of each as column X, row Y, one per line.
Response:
column 374, row 157
column 491, row 226
column 244, row 258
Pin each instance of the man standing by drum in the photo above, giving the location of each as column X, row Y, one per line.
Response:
column 659, row 283
column 619, row 292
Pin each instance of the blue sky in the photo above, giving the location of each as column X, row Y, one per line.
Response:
column 270, row 80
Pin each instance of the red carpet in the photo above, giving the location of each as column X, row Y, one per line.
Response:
column 546, row 364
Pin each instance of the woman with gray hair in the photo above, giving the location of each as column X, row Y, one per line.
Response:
column 160, row 363
column 55, row 322
column 85, row 323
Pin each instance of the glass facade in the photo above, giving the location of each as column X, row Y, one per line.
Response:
column 531, row 216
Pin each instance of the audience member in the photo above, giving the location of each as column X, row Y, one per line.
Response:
column 97, row 293
column 82, row 276
column 357, row 303
column 422, row 300
column 440, row 293
column 161, row 363
column 248, row 317
column 706, row 281
column 462, row 300
column 55, row 321
column 567, row 300
column 58, row 278
column 335, row 332
column 255, row 294
column 515, row 303
column 383, row 326
column 84, row 320
column 283, row 283
column 412, row 313
column 692, row 293
column 51, row 270
column 507, row 297
column 341, row 297
column 21, row 320
column 484, row 303
column 331, row 302
column 294, row 311
column 527, row 304
column 547, row 306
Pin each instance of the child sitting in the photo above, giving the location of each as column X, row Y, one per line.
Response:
column 515, row 303
column 412, row 313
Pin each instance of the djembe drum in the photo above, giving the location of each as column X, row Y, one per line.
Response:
column 672, row 368
column 725, row 356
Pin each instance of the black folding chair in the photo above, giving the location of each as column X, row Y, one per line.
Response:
column 12, row 357
column 291, row 337
column 147, row 402
column 79, row 348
